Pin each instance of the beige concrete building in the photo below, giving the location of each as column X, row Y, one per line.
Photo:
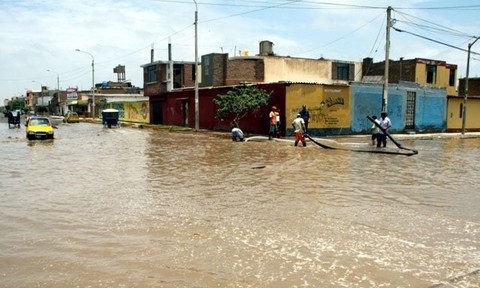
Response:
column 266, row 67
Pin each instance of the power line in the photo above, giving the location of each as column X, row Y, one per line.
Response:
column 441, row 28
column 463, row 7
column 280, row 4
column 252, row 11
column 293, row 4
column 342, row 37
column 433, row 40
column 314, row 4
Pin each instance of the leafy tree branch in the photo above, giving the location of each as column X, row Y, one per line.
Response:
column 240, row 101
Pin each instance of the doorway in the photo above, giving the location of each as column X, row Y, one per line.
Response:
column 157, row 117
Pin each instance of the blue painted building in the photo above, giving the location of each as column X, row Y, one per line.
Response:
column 410, row 107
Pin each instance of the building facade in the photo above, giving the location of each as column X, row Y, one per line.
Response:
column 426, row 72
column 334, row 91
column 411, row 107
column 219, row 70
column 456, row 106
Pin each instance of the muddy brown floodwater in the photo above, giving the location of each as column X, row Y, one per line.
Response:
column 146, row 208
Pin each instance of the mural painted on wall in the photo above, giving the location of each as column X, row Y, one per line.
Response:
column 329, row 105
column 138, row 112
column 121, row 110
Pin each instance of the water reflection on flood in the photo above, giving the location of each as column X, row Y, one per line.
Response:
column 144, row 208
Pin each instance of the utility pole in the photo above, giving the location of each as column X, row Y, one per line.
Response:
column 197, row 116
column 465, row 96
column 58, row 89
column 387, row 58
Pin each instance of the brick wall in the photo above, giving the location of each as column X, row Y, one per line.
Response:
column 214, row 70
column 402, row 70
column 188, row 75
column 473, row 87
column 245, row 70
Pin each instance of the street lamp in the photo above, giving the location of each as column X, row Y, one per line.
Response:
column 197, row 117
column 58, row 86
column 93, row 81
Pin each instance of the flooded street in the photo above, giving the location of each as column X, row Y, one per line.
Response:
column 134, row 207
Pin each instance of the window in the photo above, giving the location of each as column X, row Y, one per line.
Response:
column 451, row 79
column 178, row 80
column 151, row 74
column 342, row 71
column 431, row 74
column 205, row 66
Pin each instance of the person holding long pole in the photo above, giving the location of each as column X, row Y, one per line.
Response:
column 385, row 123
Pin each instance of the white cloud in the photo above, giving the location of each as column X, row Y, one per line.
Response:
column 43, row 34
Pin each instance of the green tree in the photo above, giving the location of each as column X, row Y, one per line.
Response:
column 17, row 104
column 239, row 101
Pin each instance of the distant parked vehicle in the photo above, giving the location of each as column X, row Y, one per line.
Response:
column 13, row 118
column 71, row 117
column 110, row 118
column 39, row 128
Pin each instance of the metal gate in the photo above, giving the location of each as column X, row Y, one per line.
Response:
column 410, row 113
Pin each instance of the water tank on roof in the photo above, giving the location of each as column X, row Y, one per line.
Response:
column 266, row 47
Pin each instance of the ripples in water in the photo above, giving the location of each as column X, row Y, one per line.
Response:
column 134, row 208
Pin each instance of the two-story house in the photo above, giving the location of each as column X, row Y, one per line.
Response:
column 418, row 83
column 427, row 72
column 266, row 67
column 161, row 77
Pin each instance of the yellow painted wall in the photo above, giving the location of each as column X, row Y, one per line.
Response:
column 329, row 105
column 454, row 120
column 137, row 112
column 454, row 117
column 442, row 77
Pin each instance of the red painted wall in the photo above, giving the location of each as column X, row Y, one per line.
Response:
column 254, row 122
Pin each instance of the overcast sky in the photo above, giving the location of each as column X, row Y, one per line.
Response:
column 41, row 35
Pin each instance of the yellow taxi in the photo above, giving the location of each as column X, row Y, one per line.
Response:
column 71, row 117
column 39, row 128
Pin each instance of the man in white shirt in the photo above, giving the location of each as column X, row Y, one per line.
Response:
column 385, row 123
column 299, row 127
column 237, row 134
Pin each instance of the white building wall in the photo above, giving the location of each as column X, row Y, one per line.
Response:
column 304, row 70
